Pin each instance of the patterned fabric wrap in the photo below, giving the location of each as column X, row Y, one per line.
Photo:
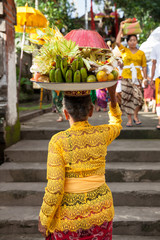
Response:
column 93, row 96
column 57, row 100
column 149, row 93
column 77, row 93
column 79, row 152
column 132, row 28
column 103, row 232
column 101, row 98
column 131, row 96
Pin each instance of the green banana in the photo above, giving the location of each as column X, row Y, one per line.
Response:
column 84, row 75
column 77, row 76
column 52, row 75
column 69, row 74
column 64, row 66
column 58, row 75
column 58, row 61
column 80, row 62
column 74, row 65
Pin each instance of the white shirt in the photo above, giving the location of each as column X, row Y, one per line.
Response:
column 155, row 55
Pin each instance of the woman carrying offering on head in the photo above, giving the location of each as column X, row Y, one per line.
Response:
column 134, row 60
column 78, row 203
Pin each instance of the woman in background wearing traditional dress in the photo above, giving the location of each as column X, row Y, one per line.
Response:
column 133, row 60
column 149, row 91
column 102, row 98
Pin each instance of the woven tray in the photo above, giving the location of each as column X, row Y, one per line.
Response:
column 76, row 86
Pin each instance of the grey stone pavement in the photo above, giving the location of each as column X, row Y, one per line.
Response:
column 48, row 121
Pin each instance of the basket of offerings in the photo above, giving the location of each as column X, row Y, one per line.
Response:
column 131, row 26
column 79, row 61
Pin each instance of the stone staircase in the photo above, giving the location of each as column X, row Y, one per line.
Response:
column 132, row 173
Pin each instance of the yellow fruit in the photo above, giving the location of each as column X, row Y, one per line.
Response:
column 115, row 73
column 101, row 76
column 110, row 77
column 91, row 78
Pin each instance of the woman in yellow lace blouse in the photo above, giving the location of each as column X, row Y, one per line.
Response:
column 77, row 202
column 134, row 60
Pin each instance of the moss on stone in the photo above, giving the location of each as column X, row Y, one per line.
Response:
column 12, row 134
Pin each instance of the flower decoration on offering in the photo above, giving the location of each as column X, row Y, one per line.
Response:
column 63, row 60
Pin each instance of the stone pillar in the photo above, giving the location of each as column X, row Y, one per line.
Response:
column 9, row 121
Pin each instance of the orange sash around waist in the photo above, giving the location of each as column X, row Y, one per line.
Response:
column 82, row 185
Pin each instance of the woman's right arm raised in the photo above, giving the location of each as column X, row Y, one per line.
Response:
column 118, row 38
column 114, row 126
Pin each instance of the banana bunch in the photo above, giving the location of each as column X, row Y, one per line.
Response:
column 64, row 72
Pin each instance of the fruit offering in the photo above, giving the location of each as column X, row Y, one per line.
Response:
column 62, row 61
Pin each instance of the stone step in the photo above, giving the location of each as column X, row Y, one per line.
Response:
column 120, row 150
column 124, row 194
column 39, row 237
column 128, row 220
column 132, row 171
column 115, row 172
column 134, row 133
column 24, row 237
column 25, row 115
column 130, row 237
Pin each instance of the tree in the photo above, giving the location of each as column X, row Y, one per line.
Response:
column 146, row 11
column 58, row 12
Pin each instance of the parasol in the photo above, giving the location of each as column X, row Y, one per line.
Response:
column 114, row 14
column 86, row 38
column 100, row 15
column 28, row 19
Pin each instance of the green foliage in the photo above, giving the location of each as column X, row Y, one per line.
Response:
column 148, row 26
column 146, row 11
column 26, row 90
column 25, row 81
column 140, row 8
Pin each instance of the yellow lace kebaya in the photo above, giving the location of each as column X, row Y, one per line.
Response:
column 75, row 156
column 138, row 59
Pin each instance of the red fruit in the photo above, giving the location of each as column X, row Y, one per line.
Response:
column 134, row 20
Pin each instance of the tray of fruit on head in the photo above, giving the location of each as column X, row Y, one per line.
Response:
column 62, row 64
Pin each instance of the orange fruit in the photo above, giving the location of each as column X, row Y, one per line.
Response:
column 101, row 76
column 110, row 77
column 91, row 78
column 115, row 73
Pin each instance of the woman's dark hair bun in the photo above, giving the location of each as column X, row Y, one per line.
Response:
column 132, row 35
column 78, row 107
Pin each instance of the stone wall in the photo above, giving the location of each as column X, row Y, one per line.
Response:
column 9, row 123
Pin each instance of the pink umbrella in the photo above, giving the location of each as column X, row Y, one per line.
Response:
column 86, row 38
